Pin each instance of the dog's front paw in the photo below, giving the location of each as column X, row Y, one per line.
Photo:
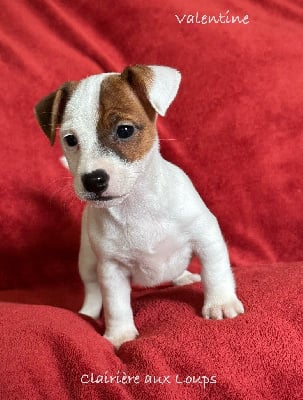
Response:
column 216, row 309
column 120, row 336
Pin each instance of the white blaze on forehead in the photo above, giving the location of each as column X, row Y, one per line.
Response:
column 82, row 110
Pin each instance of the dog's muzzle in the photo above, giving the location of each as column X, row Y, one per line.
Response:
column 95, row 182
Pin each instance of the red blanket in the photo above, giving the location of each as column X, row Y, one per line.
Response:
column 235, row 128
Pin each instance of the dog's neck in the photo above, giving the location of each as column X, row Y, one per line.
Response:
column 150, row 181
column 148, row 189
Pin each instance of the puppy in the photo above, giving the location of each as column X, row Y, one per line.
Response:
column 143, row 219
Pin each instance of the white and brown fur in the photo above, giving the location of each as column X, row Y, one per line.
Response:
column 148, row 220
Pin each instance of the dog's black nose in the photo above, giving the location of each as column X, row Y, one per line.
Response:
column 96, row 181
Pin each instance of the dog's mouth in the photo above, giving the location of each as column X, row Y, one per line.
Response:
column 105, row 198
column 98, row 198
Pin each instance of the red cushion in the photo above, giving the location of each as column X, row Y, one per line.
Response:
column 47, row 351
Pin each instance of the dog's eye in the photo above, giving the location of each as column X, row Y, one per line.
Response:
column 125, row 131
column 71, row 140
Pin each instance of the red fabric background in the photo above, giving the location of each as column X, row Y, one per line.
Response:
column 236, row 129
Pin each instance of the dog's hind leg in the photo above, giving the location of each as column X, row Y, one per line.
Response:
column 186, row 278
column 88, row 272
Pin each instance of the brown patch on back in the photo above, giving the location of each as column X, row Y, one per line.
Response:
column 123, row 98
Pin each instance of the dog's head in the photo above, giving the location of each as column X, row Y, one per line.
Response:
column 108, row 127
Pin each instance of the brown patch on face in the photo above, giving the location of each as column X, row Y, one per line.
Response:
column 123, row 99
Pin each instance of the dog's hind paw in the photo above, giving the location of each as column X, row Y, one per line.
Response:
column 186, row 278
column 90, row 312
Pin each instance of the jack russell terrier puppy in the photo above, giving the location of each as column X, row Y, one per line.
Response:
column 143, row 219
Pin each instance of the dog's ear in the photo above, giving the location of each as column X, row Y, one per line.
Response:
column 157, row 84
column 50, row 109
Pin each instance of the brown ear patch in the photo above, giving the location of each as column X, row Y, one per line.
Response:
column 140, row 78
column 122, row 100
column 50, row 109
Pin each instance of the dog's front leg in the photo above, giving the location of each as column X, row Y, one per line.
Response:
column 88, row 272
column 118, row 315
column 220, row 299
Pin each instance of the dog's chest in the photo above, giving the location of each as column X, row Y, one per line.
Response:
column 153, row 246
